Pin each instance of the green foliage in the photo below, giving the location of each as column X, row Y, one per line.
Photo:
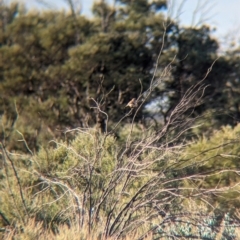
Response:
column 62, row 73
column 52, row 77
column 218, row 156
column 207, row 227
column 87, row 179
column 55, row 66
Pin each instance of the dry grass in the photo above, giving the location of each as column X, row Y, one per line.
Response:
column 35, row 231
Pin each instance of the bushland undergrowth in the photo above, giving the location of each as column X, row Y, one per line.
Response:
column 128, row 182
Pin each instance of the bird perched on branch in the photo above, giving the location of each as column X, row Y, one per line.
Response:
column 132, row 103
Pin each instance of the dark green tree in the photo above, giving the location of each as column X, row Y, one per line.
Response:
column 62, row 70
column 56, row 81
column 196, row 58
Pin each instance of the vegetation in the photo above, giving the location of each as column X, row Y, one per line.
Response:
column 75, row 163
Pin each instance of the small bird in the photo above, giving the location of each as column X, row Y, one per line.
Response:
column 132, row 103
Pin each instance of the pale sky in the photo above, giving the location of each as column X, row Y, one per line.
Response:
column 222, row 14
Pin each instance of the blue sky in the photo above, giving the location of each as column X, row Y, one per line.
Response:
column 222, row 14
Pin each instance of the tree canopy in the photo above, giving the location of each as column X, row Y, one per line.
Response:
column 58, row 69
